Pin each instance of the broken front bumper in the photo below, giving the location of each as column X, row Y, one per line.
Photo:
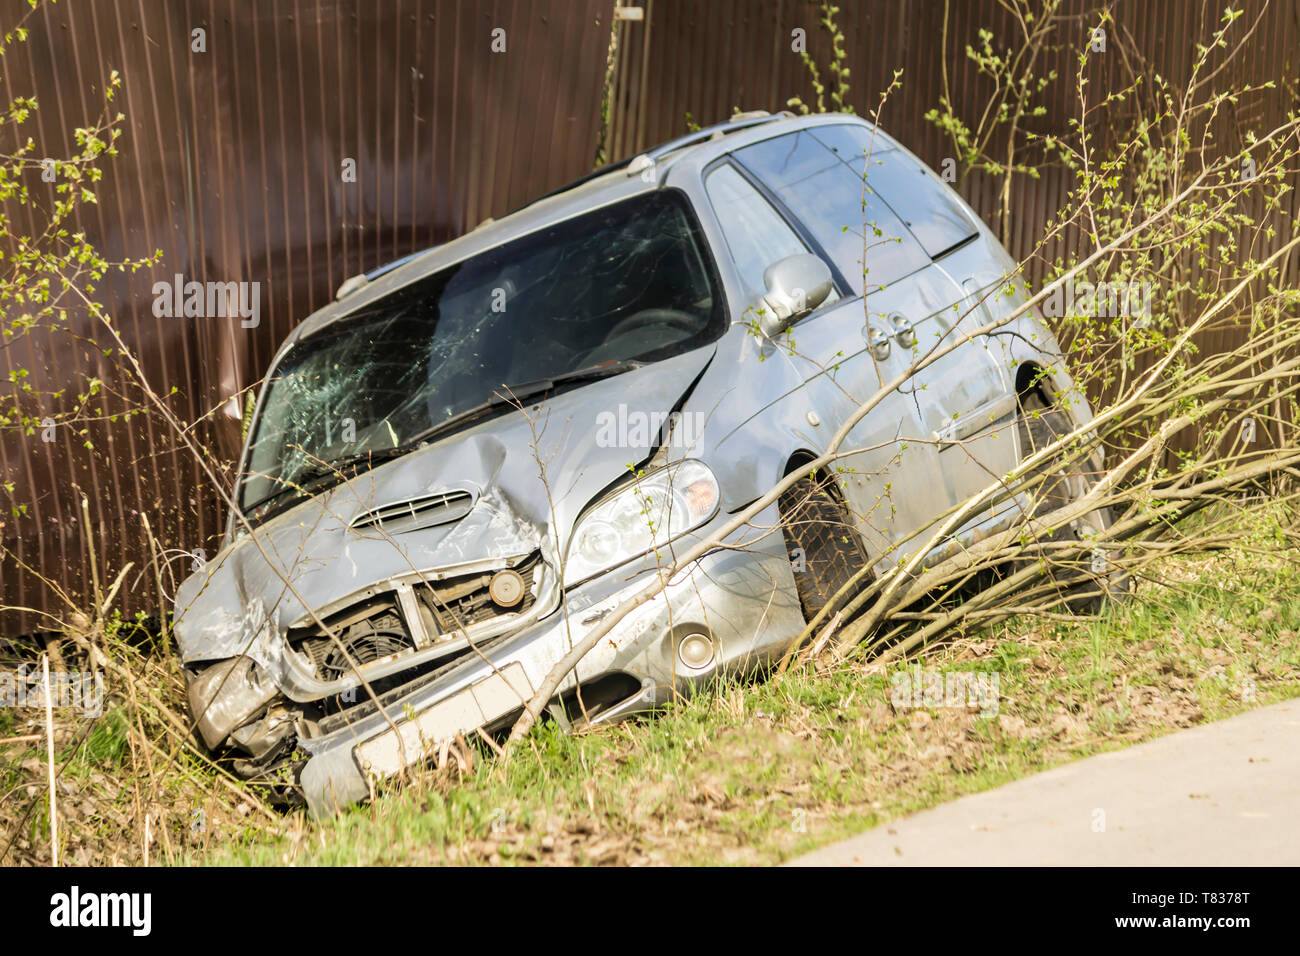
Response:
column 729, row 612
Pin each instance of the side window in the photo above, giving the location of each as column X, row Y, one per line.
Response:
column 854, row 144
column 928, row 208
column 854, row 225
column 756, row 234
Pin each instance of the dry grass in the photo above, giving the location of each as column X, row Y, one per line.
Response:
column 131, row 785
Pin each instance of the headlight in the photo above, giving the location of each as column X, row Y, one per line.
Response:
column 641, row 518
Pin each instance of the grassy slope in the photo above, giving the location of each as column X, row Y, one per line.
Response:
column 760, row 772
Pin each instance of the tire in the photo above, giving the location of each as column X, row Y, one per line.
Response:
column 824, row 546
column 1085, row 584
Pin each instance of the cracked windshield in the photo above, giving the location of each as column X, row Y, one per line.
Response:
column 584, row 298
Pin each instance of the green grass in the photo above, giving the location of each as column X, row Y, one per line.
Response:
column 759, row 772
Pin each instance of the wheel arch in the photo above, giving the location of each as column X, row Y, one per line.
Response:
column 1054, row 387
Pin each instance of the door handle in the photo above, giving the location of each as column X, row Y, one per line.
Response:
column 877, row 340
column 904, row 331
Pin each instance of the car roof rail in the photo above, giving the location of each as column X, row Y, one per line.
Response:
column 600, row 171
column 353, row 283
column 736, row 123
column 635, row 164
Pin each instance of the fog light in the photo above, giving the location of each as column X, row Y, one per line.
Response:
column 695, row 651
column 507, row 588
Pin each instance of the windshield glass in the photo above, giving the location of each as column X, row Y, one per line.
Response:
column 629, row 282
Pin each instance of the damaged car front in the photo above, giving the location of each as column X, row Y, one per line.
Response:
column 458, row 470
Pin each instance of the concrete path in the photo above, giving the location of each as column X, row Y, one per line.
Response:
column 1226, row 793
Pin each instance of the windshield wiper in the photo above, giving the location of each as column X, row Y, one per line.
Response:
column 509, row 395
column 338, row 465
column 312, row 479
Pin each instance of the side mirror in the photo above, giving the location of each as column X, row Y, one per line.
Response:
column 795, row 286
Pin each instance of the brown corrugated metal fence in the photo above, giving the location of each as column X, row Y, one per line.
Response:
column 231, row 166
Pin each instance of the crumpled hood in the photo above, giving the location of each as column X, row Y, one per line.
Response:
column 224, row 606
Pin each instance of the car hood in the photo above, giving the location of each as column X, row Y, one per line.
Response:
column 316, row 553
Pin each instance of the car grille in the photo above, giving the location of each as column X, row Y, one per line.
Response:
column 367, row 641
column 375, row 630
column 463, row 602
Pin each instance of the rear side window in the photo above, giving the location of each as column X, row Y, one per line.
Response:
column 927, row 207
column 756, row 234
column 853, row 144
column 853, row 224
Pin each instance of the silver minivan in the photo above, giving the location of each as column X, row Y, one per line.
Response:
column 471, row 457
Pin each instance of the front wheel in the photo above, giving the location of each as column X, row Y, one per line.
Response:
column 825, row 548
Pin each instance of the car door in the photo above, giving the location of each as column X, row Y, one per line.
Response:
column 966, row 399
column 842, row 355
